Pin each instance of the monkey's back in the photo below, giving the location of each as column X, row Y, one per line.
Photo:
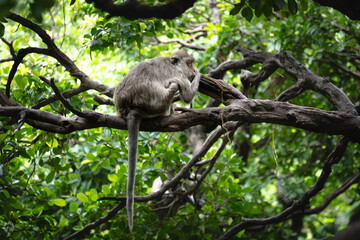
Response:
column 144, row 88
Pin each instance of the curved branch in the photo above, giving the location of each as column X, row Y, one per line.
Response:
column 333, row 158
column 61, row 57
column 308, row 80
column 246, row 110
column 11, row 47
column 230, row 129
column 4, row 100
column 347, row 184
column 219, row 72
column 20, row 56
column 183, row 43
column 88, row 227
column 209, row 142
column 66, row 94
column 9, row 59
column 63, row 100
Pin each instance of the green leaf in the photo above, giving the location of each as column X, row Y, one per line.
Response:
column 247, row 13
column 52, row 142
column 6, row 193
column 90, row 156
column 106, row 163
column 304, row 5
column 149, row 34
column 293, row 8
column 142, row 26
column 240, row 234
column 258, row 10
column 247, row 189
column 267, row 10
column 93, row 195
column 236, row 9
column 36, row 11
column 21, row 81
column 59, row 202
column 94, row 166
column 158, row 164
column 2, row 137
column 86, row 161
column 106, row 132
column 45, row 4
column 280, row 3
column 50, row 177
column 2, row 30
column 106, row 189
column 113, row 178
column 82, row 197
column 47, row 191
column 254, row 3
column 22, row 152
column 72, row 2
column 74, row 206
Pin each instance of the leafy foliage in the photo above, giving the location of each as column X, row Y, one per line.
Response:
column 51, row 183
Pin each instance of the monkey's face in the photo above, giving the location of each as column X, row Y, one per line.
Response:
column 184, row 62
column 189, row 62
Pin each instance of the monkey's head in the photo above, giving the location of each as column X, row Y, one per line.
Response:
column 184, row 62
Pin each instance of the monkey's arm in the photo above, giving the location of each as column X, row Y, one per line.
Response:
column 195, row 82
column 187, row 91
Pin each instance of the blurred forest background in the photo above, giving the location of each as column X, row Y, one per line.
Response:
column 273, row 154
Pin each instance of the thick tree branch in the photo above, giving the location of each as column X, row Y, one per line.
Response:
column 350, row 8
column 219, row 90
column 4, row 100
column 132, row 9
column 246, row 110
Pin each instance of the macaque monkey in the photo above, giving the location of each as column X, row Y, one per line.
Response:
column 147, row 91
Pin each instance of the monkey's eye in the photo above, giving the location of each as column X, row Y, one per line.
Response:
column 174, row 60
column 189, row 61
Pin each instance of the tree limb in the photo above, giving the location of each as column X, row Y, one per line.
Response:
column 333, row 158
column 88, row 227
column 350, row 8
column 55, row 52
column 246, row 110
column 132, row 9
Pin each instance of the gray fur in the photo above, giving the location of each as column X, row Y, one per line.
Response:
column 147, row 91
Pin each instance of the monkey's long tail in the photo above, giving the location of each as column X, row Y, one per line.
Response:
column 133, row 125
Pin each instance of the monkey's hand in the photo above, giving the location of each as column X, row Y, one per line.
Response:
column 196, row 80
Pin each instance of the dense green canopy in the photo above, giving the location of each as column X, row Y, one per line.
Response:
column 269, row 148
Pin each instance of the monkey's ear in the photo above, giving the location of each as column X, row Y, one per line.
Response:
column 174, row 60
